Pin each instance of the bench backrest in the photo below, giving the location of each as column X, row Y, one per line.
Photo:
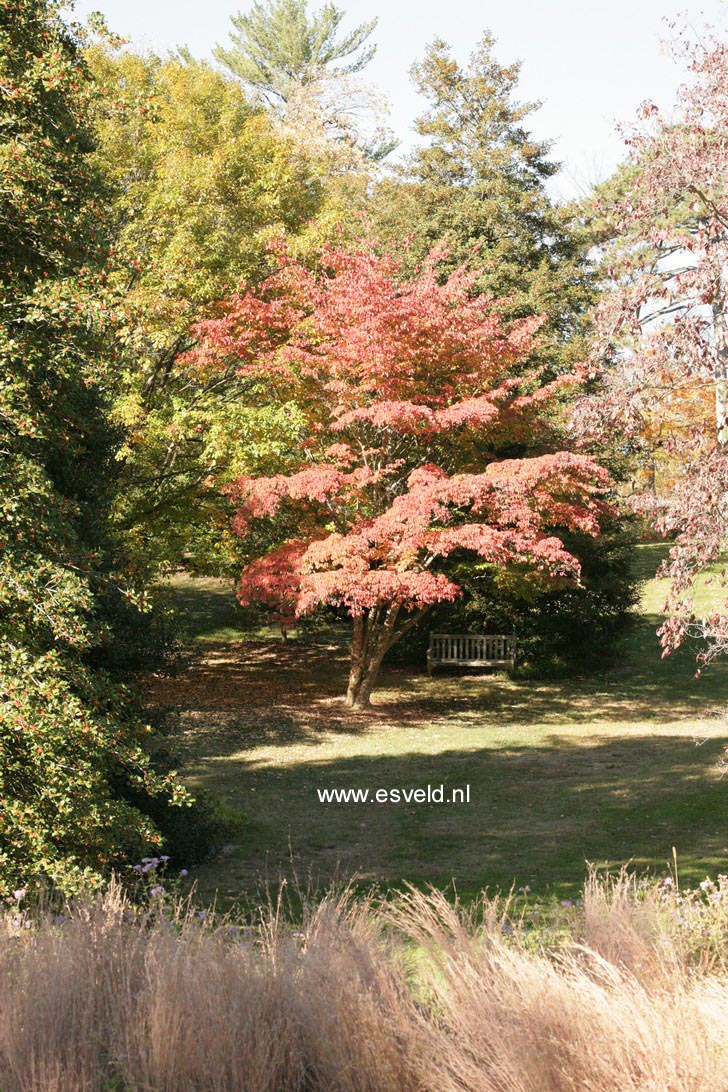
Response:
column 472, row 646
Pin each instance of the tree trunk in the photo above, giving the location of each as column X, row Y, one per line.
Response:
column 359, row 692
column 374, row 634
column 720, row 320
column 720, row 331
column 356, row 669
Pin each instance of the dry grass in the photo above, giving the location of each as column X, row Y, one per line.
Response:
column 627, row 991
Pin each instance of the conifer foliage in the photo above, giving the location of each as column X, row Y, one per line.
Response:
column 277, row 47
column 477, row 183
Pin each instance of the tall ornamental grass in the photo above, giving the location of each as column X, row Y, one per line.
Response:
column 625, row 990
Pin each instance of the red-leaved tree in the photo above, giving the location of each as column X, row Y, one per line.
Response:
column 274, row 580
column 661, row 332
column 409, row 389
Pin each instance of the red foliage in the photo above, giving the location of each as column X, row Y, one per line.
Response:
column 407, row 387
column 274, row 580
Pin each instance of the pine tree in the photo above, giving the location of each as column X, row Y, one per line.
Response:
column 277, row 47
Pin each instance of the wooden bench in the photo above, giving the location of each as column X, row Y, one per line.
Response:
column 471, row 650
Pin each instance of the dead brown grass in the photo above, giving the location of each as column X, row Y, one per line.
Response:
column 627, row 992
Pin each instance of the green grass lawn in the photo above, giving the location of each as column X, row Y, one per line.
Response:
column 612, row 768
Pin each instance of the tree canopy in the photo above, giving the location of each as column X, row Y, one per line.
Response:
column 660, row 330
column 66, row 732
column 277, row 47
column 198, row 181
column 402, row 386
column 476, row 184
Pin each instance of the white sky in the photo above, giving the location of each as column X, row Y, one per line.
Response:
column 591, row 63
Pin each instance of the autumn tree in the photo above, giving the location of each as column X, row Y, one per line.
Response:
column 660, row 348
column 274, row 581
column 66, row 732
column 197, row 181
column 405, row 387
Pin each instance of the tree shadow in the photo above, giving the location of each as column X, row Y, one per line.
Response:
column 274, row 692
column 600, row 767
column 639, row 686
column 536, row 814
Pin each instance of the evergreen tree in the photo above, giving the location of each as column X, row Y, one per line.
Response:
column 477, row 185
column 65, row 733
column 277, row 47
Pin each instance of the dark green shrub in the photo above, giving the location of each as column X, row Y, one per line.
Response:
column 564, row 630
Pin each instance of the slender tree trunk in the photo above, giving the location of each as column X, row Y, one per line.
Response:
column 720, row 331
column 720, row 320
column 374, row 634
column 356, row 669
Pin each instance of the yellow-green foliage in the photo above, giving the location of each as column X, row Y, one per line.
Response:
column 199, row 181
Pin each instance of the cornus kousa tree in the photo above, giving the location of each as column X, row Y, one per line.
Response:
column 407, row 389
column 661, row 332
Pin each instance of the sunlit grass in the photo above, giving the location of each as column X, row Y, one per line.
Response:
column 622, row 990
column 707, row 595
column 611, row 768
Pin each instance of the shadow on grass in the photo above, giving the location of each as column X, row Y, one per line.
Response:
column 295, row 688
column 536, row 814
column 640, row 686
column 606, row 767
column 262, row 691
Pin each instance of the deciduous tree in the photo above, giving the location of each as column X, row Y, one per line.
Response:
column 198, row 179
column 660, row 348
column 274, row 580
column 407, row 388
